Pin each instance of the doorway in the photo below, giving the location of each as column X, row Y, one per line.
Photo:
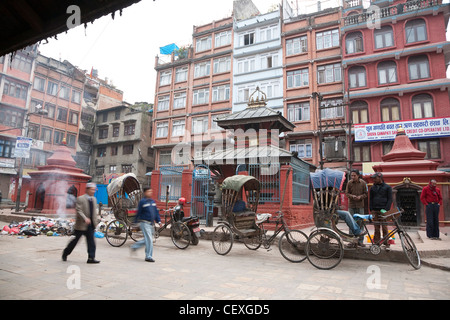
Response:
column 408, row 199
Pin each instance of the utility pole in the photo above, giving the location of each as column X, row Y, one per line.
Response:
column 318, row 98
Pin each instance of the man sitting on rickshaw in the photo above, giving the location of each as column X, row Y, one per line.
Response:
column 353, row 226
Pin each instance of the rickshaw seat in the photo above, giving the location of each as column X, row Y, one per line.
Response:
column 245, row 213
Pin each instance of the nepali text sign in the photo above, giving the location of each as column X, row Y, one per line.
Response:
column 419, row 128
column 23, row 146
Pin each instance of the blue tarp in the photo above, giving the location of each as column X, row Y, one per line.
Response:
column 101, row 194
column 327, row 178
column 168, row 49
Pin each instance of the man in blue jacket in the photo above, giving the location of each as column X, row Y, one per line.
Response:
column 147, row 215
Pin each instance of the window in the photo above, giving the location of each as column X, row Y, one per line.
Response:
column 14, row 89
column 179, row 100
column 359, row 111
column 361, row 152
column 128, row 149
column 201, row 96
column 58, row 137
column 113, row 168
column 247, row 39
column 199, row 125
column 222, row 65
column 244, row 93
column 117, row 115
column 64, row 92
column 387, row 72
column 419, row 67
column 76, row 96
column 222, row 39
column 128, row 129
column 331, row 108
column 415, row 30
column 298, row 78
column 431, row 147
column 221, row 93
column 51, row 110
column 390, row 109
column 384, row 37
column 269, row 61
column 246, row 65
column 298, row 111
column 101, row 152
column 22, row 63
column 46, row 135
column 73, row 118
column 354, row 42
column 162, row 129
column 39, row 84
column 327, row 39
column 62, row 114
column 181, row 74
column 329, row 73
column 99, row 171
column 203, row 44
column 7, row 148
column 422, row 106
column 52, row 88
column 127, row 168
column 178, row 128
column 163, row 103
column 11, row 117
column 165, row 157
column 357, row 77
column 296, row 45
column 268, row 33
column 202, row 69
column 71, row 140
column 103, row 133
column 302, row 147
column 271, row 89
column 165, row 77
column 114, row 150
column 116, row 130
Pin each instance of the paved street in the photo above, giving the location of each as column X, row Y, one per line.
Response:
column 31, row 268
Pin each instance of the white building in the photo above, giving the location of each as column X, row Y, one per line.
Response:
column 257, row 60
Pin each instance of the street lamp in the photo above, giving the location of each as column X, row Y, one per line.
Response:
column 40, row 112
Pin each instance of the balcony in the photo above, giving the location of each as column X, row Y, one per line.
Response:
column 391, row 11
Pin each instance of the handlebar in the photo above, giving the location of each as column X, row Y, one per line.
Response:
column 392, row 214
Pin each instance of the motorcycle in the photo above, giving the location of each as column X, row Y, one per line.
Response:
column 192, row 223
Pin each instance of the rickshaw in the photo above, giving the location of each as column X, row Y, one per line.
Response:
column 248, row 226
column 124, row 193
column 325, row 245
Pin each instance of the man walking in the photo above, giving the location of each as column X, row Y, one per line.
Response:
column 431, row 198
column 356, row 192
column 85, row 223
column 147, row 215
column 380, row 201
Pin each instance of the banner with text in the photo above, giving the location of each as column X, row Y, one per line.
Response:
column 415, row 129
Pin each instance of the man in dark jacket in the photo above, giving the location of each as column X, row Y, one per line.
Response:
column 380, row 201
column 147, row 215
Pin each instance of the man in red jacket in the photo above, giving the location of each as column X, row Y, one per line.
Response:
column 431, row 198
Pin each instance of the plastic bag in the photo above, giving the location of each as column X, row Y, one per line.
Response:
column 98, row 234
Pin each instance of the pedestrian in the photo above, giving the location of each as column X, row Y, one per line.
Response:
column 147, row 215
column 380, row 201
column 85, row 223
column 356, row 192
column 431, row 198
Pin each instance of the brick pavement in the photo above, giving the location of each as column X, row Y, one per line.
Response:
column 31, row 268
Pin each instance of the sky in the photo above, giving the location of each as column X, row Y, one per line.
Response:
column 123, row 49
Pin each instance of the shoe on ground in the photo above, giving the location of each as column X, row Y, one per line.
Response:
column 64, row 257
column 149, row 260
column 92, row 261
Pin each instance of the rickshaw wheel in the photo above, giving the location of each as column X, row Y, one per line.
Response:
column 116, row 233
column 136, row 233
column 253, row 243
column 222, row 239
column 292, row 245
column 324, row 249
column 180, row 234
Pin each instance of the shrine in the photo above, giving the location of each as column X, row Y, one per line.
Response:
column 53, row 189
column 407, row 171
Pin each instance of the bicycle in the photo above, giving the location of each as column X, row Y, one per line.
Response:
column 179, row 231
column 291, row 244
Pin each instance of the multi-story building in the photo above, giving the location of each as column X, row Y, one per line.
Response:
column 16, row 81
column 313, row 81
column 257, row 59
column 122, row 143
column 395, row 57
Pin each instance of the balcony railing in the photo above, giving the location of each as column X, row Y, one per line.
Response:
column 408, row 6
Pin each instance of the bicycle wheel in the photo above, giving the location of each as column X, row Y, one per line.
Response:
column 116, row 233
column 136, row 233
column 292, row 245
column 180, row 234
column 410, row 250
column 253, row 243
column 222, row 239
column 324, row 249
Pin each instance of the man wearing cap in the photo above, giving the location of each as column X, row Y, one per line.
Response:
column 380, row 201
column 85, row 223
